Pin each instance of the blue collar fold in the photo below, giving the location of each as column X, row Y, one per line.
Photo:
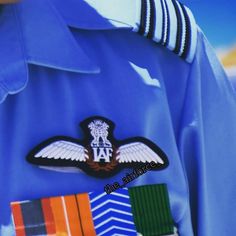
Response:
column 13, row 64
column 24, row 41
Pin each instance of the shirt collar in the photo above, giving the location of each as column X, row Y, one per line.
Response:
column 26, row 28
column 25, row 40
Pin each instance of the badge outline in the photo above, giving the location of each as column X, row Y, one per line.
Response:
column 85, row 141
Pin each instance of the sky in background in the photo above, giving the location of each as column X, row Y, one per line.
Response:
column 217, row 19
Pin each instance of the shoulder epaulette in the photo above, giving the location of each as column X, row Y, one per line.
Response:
column 171, row 24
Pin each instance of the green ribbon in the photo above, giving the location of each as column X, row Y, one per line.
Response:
column 151, row 210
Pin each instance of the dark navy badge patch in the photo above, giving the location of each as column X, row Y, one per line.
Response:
column 99, row 154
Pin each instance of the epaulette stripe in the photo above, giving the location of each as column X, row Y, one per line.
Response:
column 179, row 28
column 169, row 23
column 148, row 18
column 159, row 24
column 166, row 23
column 193, row 36
column 143, row 17
column 183, row 31
column 152, row 26
column 188, row 33
column 163, row 21
column 167, row 34
column 172, row 29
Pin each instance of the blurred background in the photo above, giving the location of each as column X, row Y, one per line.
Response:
column 218, row 21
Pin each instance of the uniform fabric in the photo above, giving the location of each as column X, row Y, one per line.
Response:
column 60, row 75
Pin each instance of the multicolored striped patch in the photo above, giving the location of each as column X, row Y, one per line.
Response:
column 63, row 216
column 142, row 210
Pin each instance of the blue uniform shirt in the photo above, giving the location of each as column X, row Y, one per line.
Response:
column 63, row 61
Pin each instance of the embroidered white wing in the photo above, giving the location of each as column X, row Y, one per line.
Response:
column 63, row 150
column 137, row 152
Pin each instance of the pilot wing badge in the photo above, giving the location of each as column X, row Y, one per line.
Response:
column 99, row 154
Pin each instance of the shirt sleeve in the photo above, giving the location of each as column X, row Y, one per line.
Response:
column 207, row 143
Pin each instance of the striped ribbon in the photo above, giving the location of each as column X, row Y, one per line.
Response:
column 142, row 210
column 62, row 216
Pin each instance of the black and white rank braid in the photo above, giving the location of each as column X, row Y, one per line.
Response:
column 171, row 24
